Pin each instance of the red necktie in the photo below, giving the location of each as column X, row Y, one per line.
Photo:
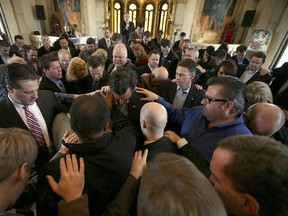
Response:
column 35, row 128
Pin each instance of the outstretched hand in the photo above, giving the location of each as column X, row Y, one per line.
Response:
column 71, row 184
column 150, row 96
column 138, row 163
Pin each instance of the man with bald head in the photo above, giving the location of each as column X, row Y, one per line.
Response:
column 120, row 59
column 153, row 80
column 267, row 120
column 153, row 119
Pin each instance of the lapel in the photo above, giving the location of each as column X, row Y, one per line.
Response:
column 10, row 113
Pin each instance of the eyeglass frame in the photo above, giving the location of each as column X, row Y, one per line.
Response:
column 209, row 100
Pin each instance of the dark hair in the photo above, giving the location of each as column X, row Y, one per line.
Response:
column 4, row 44
column 153, row 51
column 122, row 79
column 189, row 64
column 165, row 42
column 90, row 40
column 220, row 54
column 16, row 37
column 209, row 50
column 89, row 115
column 95, row 61
column 17, row 72
column 224, row 46
column 115, row 36
column 259, row 167
column 232, row 89
column 241, row 48
column 160, row 32
column 230, row 67
column 147, row 33
column 140, row 25
column 261, row 55
column 46, row 59
column 183, row 34
column 63, row 37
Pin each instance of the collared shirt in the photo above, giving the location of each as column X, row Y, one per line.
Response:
column 195, row 128
column 247, row 75
column 38, row 115
column 180, row 97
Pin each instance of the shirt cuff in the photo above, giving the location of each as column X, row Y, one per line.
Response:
column 182, row 142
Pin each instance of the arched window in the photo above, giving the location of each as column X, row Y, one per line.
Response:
column 117, row 17
column 163, row 17
column 133, row 13
column 149, row 15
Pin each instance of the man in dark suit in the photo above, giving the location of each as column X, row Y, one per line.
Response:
column 19, row 47
column 105, row 42
column 239, row 58
column 158, row 39
column 147, row 43
column 153, row 119
column 177, row 44
column 281, row 77
column 97, row 77
column 122, row 84
column 120, row 59
column 107, row 155
column 186, row 44
column 22, row 86
column 252, row 72
column 46, row 47
column 153, row 62
column 90, row 49
column 168, row 58
column 52, row 74
column 182, row 93
column 126, row 27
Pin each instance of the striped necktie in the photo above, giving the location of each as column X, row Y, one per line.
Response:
column 35, row 129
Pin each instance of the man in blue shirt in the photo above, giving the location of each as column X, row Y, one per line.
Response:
column 203, row 126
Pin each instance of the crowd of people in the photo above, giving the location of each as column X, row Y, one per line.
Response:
column 154, row 129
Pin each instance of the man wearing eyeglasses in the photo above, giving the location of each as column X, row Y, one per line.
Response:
column 203, row 126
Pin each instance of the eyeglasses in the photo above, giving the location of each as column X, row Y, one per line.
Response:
column 209, row 100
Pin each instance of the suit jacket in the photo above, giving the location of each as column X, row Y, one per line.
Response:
column 162, row 145
column 168, row 90
column 102, row 43
column 88, row 82
column 42, row 51
column 73, row 51
column 107, row 164
column 128, row 65
column 144, row 69
column 47, row 84
column 179, row 54
column 148, row 47
column 176, row 46
column 245, row 60
column 124, row 32
column 15, row 50
column 1, row 61
column 170, row 63
column 49, row 108
column 156, row 43
column 281, row 76
column 256, row 77
column 281, row 99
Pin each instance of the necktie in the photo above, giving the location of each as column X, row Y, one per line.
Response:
column 61, row 86
column 108, row 42
column 35, row 128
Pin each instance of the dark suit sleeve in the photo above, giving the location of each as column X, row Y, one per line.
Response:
column 122, row 203
column 74, row 208
column 188, row 151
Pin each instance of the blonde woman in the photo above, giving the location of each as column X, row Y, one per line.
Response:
column 76, row 71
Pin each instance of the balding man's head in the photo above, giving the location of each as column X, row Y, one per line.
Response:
column 159, row 74
column 265, row 119
column 153, row 119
